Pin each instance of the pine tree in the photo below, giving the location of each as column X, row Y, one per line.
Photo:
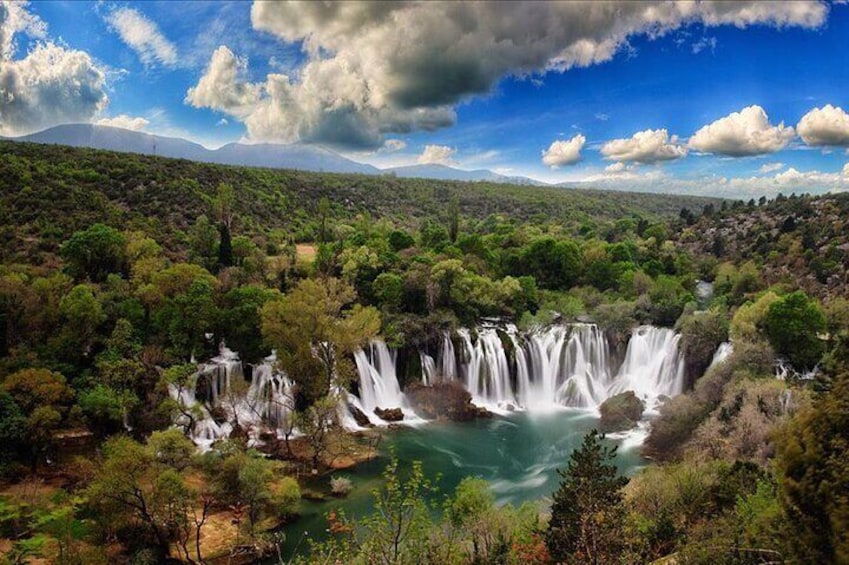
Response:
column 587, row 511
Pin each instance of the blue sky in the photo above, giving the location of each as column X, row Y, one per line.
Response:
column 474, row 86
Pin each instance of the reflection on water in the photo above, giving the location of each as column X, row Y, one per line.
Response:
column 518, row 454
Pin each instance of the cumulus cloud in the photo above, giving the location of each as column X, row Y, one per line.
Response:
column 222, row 87
column 51, row 85
column 124, row 121
column 14, row 19
column 562, row 152
column 787, row 182
column 747, row 132
column 377, row 68
column 436, row 155
column 618, row 168
column 649, row 146
column 770, row 168
column 828, row 125
column 143, row 36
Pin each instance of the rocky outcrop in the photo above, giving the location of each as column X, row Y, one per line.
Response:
column 445, row 401
column 621, row 412
column 389, row 414
column 359, row 417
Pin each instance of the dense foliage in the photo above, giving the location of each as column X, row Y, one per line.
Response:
column 119, row 272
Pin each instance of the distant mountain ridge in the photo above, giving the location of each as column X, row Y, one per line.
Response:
column 293, row 156
column 444, row 172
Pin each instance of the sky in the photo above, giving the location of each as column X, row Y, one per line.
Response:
column 736, row 99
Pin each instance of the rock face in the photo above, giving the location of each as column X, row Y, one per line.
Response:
column 621, row 412
column 446, row 401
column 359, row 417
column 389, row 414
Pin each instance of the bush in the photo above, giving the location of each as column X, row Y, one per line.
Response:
column 701, row 334
column 679, row 417
column 793, row 325
column 340, row 486
column 286, row 493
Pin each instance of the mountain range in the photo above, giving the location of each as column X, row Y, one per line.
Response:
column 291, row 156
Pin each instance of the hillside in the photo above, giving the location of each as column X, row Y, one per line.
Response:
column 798, row 240
column 49, row 191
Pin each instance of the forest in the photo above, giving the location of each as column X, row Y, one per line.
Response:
column 122, row 275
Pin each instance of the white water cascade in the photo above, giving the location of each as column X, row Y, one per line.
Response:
column 219, row 399
column 378, row 382
column 563, row 365
column 570, row 365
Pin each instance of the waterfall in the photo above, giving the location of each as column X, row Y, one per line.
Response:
column 266, row 403
column 723, row 352
column 567, row 365
column 562, row 365
column 428, row 368
column 653, row 367
column 378, row 382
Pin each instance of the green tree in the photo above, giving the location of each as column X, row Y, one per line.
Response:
column 453, row 219
column 388, row 289
column 83, row 314
column 182, row 303
column 13, row 431
column 813, row 476
column 587, row 510
column 222, row 205
column 238, row 320
column 95, row 252
column 793, row 325
column 44, row 398
column 397, row 531
column 203, row 243
column 314, row 332
column 137, row 485
column 554, row 264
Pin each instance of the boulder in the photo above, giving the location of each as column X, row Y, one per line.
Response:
column 359, row 417
column 446, row 401
column 621, row 412
column 389, row 414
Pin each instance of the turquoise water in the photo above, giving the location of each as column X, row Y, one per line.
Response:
column 518, row 454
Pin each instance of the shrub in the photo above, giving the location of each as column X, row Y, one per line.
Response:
column 340, row 486
column 792, row 325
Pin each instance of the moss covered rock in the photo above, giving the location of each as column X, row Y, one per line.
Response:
column 621, row 412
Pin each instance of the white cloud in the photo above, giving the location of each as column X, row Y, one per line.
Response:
column 649, row 146
column 828, row 125
column 222, row 122
column 770, row 168
column 221, row 87
column 393, row 145
column 747, row 132
column 602, row 117
column 618, row 167
column 143, row 36
column 787, row 182
column 561, row 152
column 124, row 121
column 378, row 68
column 436, row 154
column 14, row 19
column 51, row 85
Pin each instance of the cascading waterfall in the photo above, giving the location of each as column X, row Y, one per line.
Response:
column 563, row 365
column 378, row 382
column 569, row 365
column 264, row 403
column 653, row 367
